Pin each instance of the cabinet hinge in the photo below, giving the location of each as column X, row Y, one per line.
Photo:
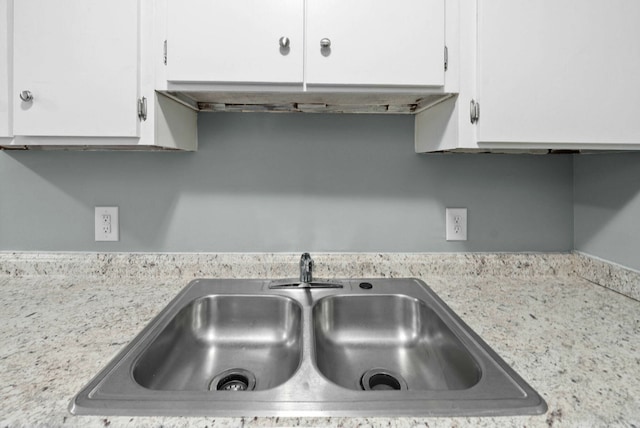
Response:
column 164, row 58
column 446, row 58
column 475, row 111
column 142, row 109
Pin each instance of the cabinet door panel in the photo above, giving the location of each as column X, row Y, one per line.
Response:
column 375, row 42
column 79, row 59
column 5, row 84
column 559, row 71
column 235, row 41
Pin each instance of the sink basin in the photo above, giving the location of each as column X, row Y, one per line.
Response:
column 389, row 342
column 213, row 335
column 242, row 347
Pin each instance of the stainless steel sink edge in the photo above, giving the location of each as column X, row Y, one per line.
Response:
column 533, row 398
column 298, row 396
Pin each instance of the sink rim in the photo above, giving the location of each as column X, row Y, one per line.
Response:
column 298, row 396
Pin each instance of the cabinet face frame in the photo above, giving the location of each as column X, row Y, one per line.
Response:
column 84, row 72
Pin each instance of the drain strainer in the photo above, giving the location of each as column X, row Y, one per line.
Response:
column 382, row 380
column 233, row 380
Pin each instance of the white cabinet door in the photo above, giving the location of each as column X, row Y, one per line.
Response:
column 235, row 41
column 375, row 42
column 79, row 60
column 559, row 71
column 5, row 64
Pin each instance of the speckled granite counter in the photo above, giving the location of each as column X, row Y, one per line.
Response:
column 64, row 316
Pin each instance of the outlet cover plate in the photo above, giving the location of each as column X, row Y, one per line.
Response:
column 106, row 224
column 456, row 224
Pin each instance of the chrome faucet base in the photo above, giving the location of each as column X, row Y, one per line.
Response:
column 306, row 268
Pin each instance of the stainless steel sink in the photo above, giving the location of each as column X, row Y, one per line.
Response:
column 389, row 342
column 373, row 347
column 225, row 341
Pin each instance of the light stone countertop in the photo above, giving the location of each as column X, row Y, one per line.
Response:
column 575, row 342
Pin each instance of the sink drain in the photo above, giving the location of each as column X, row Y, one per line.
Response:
column 233, row 380
column 382, row 380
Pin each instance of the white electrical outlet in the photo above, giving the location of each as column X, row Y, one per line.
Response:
column 456, row 224
column 106, row 224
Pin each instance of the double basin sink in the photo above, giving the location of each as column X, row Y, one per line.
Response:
column 374, row 347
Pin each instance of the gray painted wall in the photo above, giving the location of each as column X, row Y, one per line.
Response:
column 270, row 182
column 607, row 207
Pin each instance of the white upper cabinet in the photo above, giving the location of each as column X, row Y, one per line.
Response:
column 390, row 43
column 375, row 42
column 546, row 74
column 237, row 41
column 5, row 69
column 84, row 77
column 76, row 68
column 559, row 71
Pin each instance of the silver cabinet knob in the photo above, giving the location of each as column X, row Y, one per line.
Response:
column 284, row 42
column 26, row 96
column 325, row 43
